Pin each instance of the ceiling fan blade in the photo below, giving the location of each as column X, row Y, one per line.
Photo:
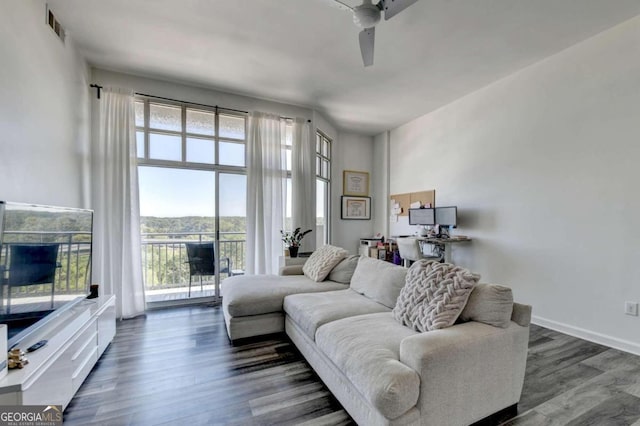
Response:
column 367, row 41
column 393, row 7
column 339, row 4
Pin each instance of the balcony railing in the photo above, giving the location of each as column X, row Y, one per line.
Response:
column 164, row 256
column 74, row 260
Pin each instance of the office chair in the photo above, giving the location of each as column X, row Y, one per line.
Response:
column 202, row 261
column 411, row 250
column 32, row 264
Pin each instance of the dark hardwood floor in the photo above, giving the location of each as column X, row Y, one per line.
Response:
column 176, row 366
column 570, row 381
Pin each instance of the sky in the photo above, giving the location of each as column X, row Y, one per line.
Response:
column 167, row 192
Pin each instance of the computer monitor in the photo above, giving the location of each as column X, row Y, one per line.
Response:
column 421, row 217
column 446, row 216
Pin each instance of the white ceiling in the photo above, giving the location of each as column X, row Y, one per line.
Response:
column 305, row 52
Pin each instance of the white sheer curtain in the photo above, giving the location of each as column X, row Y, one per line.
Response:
column 116, row 255
column 266, row 180
column 303, row 182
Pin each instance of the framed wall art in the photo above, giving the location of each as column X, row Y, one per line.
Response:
column 355, row 183
column 357, row 208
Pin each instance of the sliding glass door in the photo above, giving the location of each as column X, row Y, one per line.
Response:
column 232, row 221
column 192, row 181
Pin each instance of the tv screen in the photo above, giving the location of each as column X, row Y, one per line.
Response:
column 45, row 261
column 447, row 216
column 421, row 217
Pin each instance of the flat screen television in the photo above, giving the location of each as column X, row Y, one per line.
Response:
column 45, row 263
column 447, row 216
column 422, row 217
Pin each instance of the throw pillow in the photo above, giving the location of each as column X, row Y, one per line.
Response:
column 434, row 295
column 343, row 271
column 379, row 280
column 490, row 304
column 322, row 261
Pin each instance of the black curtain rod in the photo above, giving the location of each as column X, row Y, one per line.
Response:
column 191, row 103
column 99, row 88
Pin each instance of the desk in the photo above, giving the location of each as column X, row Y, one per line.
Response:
column 368, row 247
column 444, row 243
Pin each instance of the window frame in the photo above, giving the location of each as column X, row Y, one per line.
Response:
column 321, row 140
column 146, row 129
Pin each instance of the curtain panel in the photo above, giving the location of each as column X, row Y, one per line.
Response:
column 266, row 181
column 117, row 263
column 303, row 182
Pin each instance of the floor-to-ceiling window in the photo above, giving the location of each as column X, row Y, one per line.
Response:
column 323, row 188
column 192, row 174
column 323, row 185
column 288, row 154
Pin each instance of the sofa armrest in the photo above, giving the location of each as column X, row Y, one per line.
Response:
column 468, row 371
column 291, row 270
column 521, row 314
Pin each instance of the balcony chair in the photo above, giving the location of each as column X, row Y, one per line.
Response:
column 32, row 264
column 411, row 250
column 202, row 261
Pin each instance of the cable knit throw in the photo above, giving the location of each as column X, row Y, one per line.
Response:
column 434, row 295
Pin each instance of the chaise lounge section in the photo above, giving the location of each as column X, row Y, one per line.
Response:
column 253, row 304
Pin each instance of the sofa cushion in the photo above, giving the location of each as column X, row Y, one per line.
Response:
column 322, row 261
column 378, row 280
column 262, row 294
column 491, row 304
column 366, row 349
column 343, row 271
column 434, row 295
column 311, row 310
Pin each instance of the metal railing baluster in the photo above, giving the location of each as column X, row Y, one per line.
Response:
column 167, row 268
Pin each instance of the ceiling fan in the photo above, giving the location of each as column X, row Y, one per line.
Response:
column 367, row 15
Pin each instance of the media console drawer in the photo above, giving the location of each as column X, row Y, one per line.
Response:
column 87, row 336
column 51, row 384
column 106, row 328
column 83, row 369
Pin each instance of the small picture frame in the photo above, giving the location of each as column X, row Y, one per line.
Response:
column 356, row 208
column 355, row 183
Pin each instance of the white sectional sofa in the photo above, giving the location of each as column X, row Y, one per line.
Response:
column 383, row 372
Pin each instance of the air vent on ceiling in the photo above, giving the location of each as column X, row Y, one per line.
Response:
column 54, row 24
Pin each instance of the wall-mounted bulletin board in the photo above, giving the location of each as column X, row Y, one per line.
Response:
column 405, row 200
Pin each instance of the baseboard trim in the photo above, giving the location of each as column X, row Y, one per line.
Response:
column 592, row 336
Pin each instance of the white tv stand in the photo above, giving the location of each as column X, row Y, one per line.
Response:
column 77, row 338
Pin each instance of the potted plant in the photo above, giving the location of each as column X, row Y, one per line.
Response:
column 292, row 240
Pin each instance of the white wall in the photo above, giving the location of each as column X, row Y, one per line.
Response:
column 543, row 166
column 380, row 185
column 184, row 92
column 44, row 111
column 325, row 126
column 350, row 152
